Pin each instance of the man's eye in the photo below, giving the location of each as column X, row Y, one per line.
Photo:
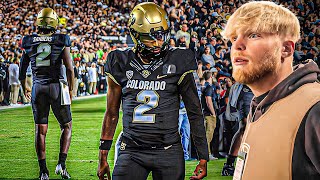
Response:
column 254, row 35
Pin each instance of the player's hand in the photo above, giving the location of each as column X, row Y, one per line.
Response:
column 103, row 167
column 27, row 94
column 200, row 171
column 70, row 94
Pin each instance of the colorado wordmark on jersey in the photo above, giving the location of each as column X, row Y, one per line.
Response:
column 146, row 85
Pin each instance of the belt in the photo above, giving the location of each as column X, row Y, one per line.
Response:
column 130, row 143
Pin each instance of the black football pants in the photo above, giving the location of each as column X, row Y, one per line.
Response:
column 135, row 163
column 44, row 96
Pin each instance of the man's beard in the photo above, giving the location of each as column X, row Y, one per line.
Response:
column 253, row 72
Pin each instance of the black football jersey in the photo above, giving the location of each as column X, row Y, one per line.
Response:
column 45, row 54
column 150, row 96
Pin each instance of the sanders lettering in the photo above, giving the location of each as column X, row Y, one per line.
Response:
column 42, row 38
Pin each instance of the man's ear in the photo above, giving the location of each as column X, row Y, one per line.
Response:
column 287, row 49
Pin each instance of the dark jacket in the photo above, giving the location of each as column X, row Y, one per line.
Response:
column 306, row 152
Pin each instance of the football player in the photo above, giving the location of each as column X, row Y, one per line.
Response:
column 47, row 51
column 148, row 80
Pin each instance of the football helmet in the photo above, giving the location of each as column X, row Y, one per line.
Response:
column 149, row 22
column 47, row 21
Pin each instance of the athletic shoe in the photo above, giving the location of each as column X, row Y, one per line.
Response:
column 63, row 172
column 211, row 157
column 44, row 176
column 227, row 170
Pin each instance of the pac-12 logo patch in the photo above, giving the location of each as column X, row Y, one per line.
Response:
column 129, row 74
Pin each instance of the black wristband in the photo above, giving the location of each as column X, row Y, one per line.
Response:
column 105, row 144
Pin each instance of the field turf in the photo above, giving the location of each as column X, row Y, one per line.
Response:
column 17, row 152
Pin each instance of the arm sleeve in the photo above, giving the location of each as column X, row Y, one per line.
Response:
column 208, row 91
column 24, row 63
column 112, row 68
column 241, row 106
column 67, row 41
column 312, row 136
column 188, row 91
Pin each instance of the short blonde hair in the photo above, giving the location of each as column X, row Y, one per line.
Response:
column 264, row 16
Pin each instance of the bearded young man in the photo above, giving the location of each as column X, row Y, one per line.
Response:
column 281, row 140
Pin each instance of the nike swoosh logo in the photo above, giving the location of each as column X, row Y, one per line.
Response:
column 159, row 77
column 167, row 147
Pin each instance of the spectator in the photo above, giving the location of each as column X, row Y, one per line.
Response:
column 312, row 54
column 238, row 108
column 76, row 78
column 92, row 78
column 83, row 72
column 14, row 82
column 208, row 110
column 212, row 45
column 184, row 130
column 183, row 32
column 207, row 58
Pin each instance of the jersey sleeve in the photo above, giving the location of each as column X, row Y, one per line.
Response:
column 189, row 95
column 25, row 44
column 67, row 41
column 186, row 63
column 113, row 67
column 24, row 63
column 62, row 40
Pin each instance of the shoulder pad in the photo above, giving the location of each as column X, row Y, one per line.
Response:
column 26, row 41
column 117, row 61
column 62, row 40
column 184, row 59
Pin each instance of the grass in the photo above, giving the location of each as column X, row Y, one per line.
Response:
column 17, row 153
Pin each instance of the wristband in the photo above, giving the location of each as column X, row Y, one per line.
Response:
column 105, row 144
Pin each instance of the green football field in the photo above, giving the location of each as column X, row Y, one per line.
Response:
column 18, row 159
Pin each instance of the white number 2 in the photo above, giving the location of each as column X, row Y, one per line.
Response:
column 150, row 100
column 44, row 50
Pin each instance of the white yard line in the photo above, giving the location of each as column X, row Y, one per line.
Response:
column 30, row 160
column 77, row 99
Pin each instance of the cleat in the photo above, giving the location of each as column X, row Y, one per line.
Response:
column 63, row 172
column 211, row 157
column 227, row 170
column 44, row 176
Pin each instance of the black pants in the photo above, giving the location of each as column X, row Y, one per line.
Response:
column 231, row 128
column 166, row 163
column 44, row 96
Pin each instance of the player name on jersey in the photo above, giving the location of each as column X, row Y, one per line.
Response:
column 146, row 85
column 42, row 38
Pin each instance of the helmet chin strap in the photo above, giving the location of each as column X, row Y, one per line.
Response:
column 146, row 52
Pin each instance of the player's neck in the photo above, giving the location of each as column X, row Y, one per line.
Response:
column 144, row 60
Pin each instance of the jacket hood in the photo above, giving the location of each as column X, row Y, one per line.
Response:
column 303, row 73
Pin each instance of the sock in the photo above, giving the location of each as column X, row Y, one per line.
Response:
column 43, row 165
column 231, row 159
column 62, row 160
